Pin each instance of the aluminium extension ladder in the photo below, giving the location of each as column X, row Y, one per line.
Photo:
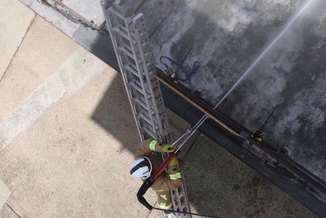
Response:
column 129, row 38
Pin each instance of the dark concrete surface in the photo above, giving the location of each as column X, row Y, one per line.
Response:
column 226, row 36
column 221, row 185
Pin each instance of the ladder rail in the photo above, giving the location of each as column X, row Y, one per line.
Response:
column 147, row 105
column 138, row 66
column 149, row 82
column 146, row 74
column 125, row 81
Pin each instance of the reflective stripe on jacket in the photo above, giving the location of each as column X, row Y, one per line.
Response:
column 152, row 145
column 175, row 176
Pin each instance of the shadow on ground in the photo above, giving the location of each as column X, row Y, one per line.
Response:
column 114, row 108
column 217, row 183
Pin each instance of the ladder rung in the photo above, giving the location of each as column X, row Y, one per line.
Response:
column 125, row 51
column 147, row 124
column 123, row 29
column 142, row 99
column 147, row 119
column 150, row 132
column 120, row 32
column 138, row 83
column 133, row 66
column 147, row 114
column 134, row 72
column 137, row 88
column 140, row 103
column 140, row 86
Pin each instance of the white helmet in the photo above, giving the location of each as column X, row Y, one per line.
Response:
column 141, row 168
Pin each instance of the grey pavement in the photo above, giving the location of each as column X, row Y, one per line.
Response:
column 4, row 194
column 55, row 159
column 15, row 27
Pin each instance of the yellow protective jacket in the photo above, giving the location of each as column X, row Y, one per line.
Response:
column 172, row 179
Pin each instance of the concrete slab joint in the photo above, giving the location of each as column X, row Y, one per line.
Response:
column 4, row 194
column 13, row 29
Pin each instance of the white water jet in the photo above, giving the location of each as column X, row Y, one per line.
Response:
column 188, row 134
column 265, row 51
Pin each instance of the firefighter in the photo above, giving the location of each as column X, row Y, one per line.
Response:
column 149, row 161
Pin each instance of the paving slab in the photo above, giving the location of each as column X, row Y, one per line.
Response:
column 7, row 212
column 40, row 55
column 67, row 165
column 53, row 16
column 4, row 194
column 15, row 20
column 74, row 18
column 74, row 73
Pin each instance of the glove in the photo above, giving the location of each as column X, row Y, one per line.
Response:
column 167, row 148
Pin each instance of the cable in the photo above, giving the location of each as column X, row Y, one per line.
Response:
column 185, row 212
column 268, row 118
column 191, row 131
column 191, row 146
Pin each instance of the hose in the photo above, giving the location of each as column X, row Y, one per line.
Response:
column 185, row 212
